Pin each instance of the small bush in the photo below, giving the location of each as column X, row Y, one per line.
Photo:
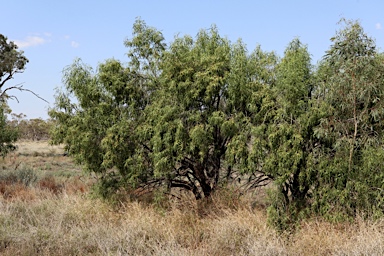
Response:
column 25, row 176
column 283, row 216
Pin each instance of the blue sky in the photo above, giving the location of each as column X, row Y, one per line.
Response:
column 53, row 33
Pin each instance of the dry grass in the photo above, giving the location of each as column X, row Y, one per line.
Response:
column 42, row 158
column 363, row 237
column 76, row 225
column 42, row 147
column 72, row 224
column 59, row 218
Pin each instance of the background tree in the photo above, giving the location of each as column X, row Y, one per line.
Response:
column 30, row 129
column 12, row 62
column 8, row 134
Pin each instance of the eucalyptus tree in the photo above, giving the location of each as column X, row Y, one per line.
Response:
column 352, row 81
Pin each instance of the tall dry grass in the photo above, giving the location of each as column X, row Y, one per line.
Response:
column 74, row 224
column 58, row 217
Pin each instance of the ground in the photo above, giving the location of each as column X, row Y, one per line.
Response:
column 47, row 208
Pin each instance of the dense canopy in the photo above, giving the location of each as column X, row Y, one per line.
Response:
column 203, row 112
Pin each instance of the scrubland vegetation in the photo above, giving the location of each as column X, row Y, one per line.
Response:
column 203, row 112
column 47, row 208
column 200, row 147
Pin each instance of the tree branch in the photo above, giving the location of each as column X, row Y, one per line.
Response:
column 20, row 88
column 6, row 79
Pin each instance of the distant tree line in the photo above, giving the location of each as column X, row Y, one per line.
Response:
column 12, row 62
column 34, row 129
column 196, row 112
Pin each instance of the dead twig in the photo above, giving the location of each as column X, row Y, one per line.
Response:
column 19, row 87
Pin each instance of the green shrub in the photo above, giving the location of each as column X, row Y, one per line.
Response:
column 25, row 176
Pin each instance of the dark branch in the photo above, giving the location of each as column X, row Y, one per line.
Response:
column 6, row 79
column 20, row 88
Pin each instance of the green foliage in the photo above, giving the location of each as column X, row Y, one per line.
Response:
column 24, row 175
column 30, row 129
column 99, row 129
column 285, row 143
column 191, row 129
column 170, row 118
column 11, row 63
column 192, row 114
column 352, row 86
column 8, row 134
column 324, row 135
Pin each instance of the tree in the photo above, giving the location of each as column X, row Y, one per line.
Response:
column 30, row 129
column 11, row 63
column 172, row 118
column 193, row 114
column 189, row 122
column 284, row 143
column 250, row 98
column 352, row 88
column 100, row 128
column 8, row 134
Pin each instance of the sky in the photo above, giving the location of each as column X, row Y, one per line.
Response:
column 54, row 33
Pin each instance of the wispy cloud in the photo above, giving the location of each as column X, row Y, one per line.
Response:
column 75, row 44
column 31, row 41
column 378, row 26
